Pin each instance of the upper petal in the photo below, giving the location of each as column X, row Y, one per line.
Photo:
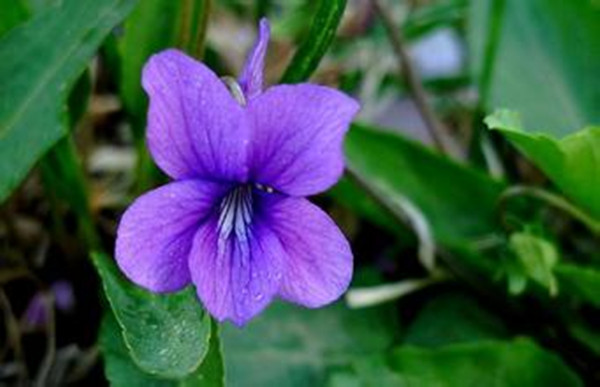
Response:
column 236, row 279
column 318, row 267
column 155, row 234
column 195, row 127
column 297, row 138
column 251, row 78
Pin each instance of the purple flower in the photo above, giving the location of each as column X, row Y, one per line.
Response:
column 235, row 221
column 36, row 314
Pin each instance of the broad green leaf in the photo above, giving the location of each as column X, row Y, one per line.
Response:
column 41, row 59
column 537, row 257
column 293, row 346
column 167, row 335
column 212, row 371
column 13, row 13
column 573, row 162
column 40, row 5
column 546, row 63
column 453, row 318
column 119, row 368
column 315, row 44
column 458, row 202
column 122, row 371
column 520, row 362
column 582, row 283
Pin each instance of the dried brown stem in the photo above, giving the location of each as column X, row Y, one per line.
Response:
column 436, row 129
column 13, row 335
column 48, row 360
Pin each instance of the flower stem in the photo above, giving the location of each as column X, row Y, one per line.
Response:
column 552, row 199
column 496, row 16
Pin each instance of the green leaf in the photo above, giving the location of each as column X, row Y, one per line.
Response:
column 13, row 13
column 32, row 102
column 546, row 63
column 212, row 371
column 294, row 346
column 167, row 335
column 573, row 163
column 453, row 318
column 537, row 257
column 393, row 167
column 122, row 371
column 515, row 276
column 580, row 282
column 520, row 362
column 41, row 5
column 315, row 44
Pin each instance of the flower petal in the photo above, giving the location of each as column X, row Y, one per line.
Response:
column 298, row 136
column 155, row 234
column 318, row 269
column 251, row 78
column 196, row 129
column 236, row 280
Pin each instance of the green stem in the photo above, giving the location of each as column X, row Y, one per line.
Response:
column 193, row 21
column 495, row 22
column 482, row 149
column 202, row 27
column 554, row 200
column 64, row 179
column 145, row 168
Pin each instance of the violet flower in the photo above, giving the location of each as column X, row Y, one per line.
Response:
column 235, row 221
column 36, row 314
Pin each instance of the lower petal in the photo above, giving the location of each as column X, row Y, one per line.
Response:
column 236, row 278
column 155, row 234
column 318, row 269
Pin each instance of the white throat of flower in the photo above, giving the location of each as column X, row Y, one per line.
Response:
column 235, row 213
